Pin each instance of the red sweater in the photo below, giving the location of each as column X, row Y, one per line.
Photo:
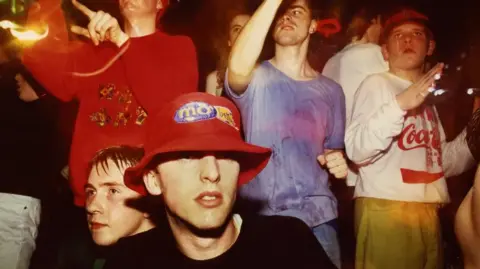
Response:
column 153, row 70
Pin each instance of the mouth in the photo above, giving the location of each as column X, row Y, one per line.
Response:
column 209, row 199
column 408, row 51
column 286, row 26
column 97, row 226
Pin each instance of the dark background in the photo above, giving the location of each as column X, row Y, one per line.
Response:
column 455, row 25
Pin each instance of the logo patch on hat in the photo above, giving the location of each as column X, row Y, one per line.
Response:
column 200, row 111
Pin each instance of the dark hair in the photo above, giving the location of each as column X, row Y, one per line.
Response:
column 122, row 157
column 358, row 25
column 313, row 5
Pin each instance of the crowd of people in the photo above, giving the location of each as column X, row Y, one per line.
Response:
column 238, row 173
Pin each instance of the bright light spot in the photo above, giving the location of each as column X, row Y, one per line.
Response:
column 437, row 76
column 431, row 89
column 439, row 92
column 470, row 91
column 22, row 33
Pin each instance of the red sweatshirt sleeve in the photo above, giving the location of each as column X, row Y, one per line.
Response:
column 160, row 68
column 52, row 60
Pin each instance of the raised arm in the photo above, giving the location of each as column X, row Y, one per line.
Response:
column 52, row 59
column 249, row 45
column 376, row 120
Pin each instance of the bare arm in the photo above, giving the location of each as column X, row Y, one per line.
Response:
column 249, row 45
column 212, row 84
column 467, row 225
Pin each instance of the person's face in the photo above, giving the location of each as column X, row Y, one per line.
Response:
column 407, row 46
column 236, row 26
column 109, row 217
column 25, row 91
column 198, row 189
column 132, row 8
column 295, row 25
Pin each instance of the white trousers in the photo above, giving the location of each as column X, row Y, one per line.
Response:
column 19, row 220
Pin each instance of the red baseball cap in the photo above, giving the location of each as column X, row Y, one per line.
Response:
column 197, row 122
column 404, row 16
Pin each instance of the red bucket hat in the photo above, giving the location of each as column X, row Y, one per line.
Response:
column 197, row 122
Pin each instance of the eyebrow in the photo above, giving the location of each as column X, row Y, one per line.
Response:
column 297, row 6
column 105, row 184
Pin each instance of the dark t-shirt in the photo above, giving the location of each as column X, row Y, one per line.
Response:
column 264, row 242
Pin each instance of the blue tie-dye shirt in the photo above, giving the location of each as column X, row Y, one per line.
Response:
column 297, row 120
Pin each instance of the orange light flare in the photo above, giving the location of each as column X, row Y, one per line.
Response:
column 23, row 33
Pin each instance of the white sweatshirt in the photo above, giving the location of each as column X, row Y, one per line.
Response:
column 401, row 156
column 349, row 68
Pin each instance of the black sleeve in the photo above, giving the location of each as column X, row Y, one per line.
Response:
column 305, row 246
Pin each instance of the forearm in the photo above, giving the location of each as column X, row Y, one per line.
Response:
column 47, row 59
column 368, row 136
column 249, row 44
column 456, row 156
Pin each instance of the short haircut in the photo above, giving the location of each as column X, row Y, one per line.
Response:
column 122, row 156
column 313, row 6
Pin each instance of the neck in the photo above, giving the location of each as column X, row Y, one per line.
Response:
column 292, row 60
column 140, row 26
column 147, row 225
column 203, row 248
column 412, row 75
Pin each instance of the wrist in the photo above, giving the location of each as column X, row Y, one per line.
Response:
column 122, row 39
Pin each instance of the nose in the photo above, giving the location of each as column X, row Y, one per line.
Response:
column 94, row 205
column 407, row 38
column 209, row 169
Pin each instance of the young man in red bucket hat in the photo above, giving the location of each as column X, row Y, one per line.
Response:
column 399, row 145
column 195, row 159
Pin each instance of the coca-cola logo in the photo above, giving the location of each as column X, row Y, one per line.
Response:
column 411, row 138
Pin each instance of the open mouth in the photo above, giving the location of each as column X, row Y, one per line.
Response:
column 408, row 51
column 209, row 199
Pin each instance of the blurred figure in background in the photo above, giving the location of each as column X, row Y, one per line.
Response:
column 360, row 58
column 237, row 18
column 31, row 165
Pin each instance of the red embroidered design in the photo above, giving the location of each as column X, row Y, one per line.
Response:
column 122, row 119
column 107, row 91
column 141, row 116
column 101, row 118
column 125, row 98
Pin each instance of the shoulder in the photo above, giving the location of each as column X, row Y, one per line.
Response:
column 325, row 84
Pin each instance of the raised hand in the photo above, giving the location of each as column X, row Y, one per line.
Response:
column 102, row 27
column 415, row 95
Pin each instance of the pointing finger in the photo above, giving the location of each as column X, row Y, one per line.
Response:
column 85, row 10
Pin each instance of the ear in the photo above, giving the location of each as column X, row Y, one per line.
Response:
column 152, row 184
column 431, row 47
column 313, row 26
column 385, row 52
